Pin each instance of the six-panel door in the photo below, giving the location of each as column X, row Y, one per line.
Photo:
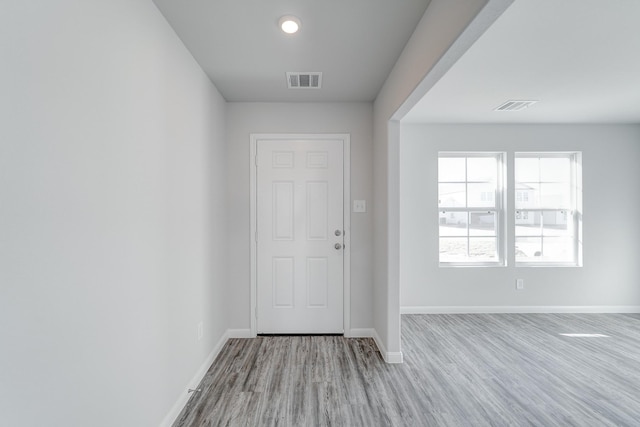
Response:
column 300, row 236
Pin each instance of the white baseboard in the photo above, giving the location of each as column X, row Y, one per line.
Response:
column 359, row 333
column 388, row 356
column 170, row 418
column 463, row 309
column 239, row 333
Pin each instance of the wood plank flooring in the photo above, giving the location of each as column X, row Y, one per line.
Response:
column 459, row 370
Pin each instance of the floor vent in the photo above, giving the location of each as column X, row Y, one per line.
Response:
column 515, row 105
column 304, row 80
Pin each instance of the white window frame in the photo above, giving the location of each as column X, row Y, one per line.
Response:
column 499, row 208
column 575, row 210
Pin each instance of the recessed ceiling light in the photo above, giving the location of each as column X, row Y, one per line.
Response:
column 289, row 24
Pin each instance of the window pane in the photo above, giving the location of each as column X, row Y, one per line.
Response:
column 482, row 195
column 528, row 249
column 482, row 169
column 483, row 249
column 453, row 223
column 451, row 169
column 555, row 195
column 528, row 223
column 468, row 187
column 453, row 249
column 527, row 169
column 556, row 169
column 527, row 195
column 556, row 223
column 452, row 195
column 545, row 236
column 548, row 249
column 482, row 224
column 557, row 249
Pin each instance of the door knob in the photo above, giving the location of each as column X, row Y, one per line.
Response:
column 338, row 246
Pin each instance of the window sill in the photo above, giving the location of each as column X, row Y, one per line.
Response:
column 466, row 265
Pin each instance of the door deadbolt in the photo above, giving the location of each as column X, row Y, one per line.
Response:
column 338, row 246
column 338, row 232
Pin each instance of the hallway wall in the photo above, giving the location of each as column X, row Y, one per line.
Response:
column 112, row 217
column 247, row 118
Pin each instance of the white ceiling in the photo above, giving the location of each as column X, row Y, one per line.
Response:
column 579, row 58
column 354, row 43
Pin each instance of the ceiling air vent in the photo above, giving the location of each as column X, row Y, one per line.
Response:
column 304, row 80
column 515, row 105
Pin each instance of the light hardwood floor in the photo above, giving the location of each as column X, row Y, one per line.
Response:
column 459, row 370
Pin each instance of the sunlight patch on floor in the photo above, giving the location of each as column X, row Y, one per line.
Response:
column 585, row 335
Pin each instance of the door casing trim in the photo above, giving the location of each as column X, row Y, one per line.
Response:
column 346, row 152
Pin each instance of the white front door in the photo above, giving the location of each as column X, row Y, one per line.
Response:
column 300, row 237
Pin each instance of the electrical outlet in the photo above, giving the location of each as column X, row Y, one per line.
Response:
column 519, row 284
column 200, row 331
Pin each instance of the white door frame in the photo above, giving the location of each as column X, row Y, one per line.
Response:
column 346, row 144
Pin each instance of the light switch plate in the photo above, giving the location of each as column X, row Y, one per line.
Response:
column 359, row 206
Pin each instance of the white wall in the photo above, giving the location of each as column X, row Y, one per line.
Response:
column 445, row 31
column 611, row 233
column 112, row 220
column 247, row 118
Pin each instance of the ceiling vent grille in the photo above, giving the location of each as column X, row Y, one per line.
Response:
column 304, row 80
column 515, row 105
